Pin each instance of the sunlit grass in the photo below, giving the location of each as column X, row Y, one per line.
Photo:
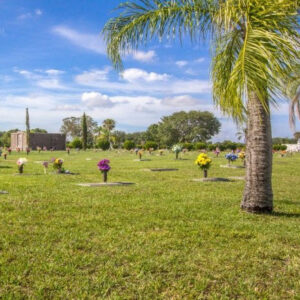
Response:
column 164, row 237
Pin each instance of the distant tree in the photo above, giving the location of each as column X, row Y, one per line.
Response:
column 84, row 131
column 27, row 127
column 152, row 133
column 5, row 138
column 297, row 135
column 72, row 127
column 120, row 137
column 106, row 129
column 193, row 126
column 38, row 130
column 279, row 140
column 76, row 143
column 103, row 144
column 137, row 137
column 128, row 145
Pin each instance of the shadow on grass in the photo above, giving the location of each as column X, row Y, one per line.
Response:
column 5, row 167
column 289, row 202
column 285, row 214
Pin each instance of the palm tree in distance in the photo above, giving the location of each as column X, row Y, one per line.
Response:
column 108, row 125
column 254, row 46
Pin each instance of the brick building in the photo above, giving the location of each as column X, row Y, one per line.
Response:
column 56, row 141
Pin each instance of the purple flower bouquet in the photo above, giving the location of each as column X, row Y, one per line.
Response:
column 104, row 167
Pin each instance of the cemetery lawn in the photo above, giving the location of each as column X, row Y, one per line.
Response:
column 165, row 237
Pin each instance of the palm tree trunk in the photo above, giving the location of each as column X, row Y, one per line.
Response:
column 258, row 195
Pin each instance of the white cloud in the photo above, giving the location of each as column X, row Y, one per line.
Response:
column 54, row 72
column 95, row 99
column 92, row 42
column 92, row 76
column 181, row 63
column 138, row 80
column 47, row 79
column 180, row 101
column 144, row 56
column 38, row 12
column 133, row 75
column 200, row 60
column 52, row 83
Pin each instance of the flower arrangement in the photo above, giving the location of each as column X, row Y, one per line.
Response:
column 20, row 163
column 217, row 152
column 140, row 154
column 57, row 165
column 104, row 167
column 242, row 156
column 45, row 165
column 161, row 152
column 231, row 157
column 5, row 155
column 177, row 149
column 204, row 162
column 39, row 149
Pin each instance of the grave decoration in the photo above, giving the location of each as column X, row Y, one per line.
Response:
column 242, row 156
column 45, row 165
column 58, row 165
column 104, row 167
column 177, row 149
column 204, row 163
column 20, row 163
column 231, row 157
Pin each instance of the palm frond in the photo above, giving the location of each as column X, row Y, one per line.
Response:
column 141, row 21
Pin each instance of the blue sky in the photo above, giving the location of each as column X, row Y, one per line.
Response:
column 53, row 61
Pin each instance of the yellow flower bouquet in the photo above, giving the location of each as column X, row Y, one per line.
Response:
column 204, row 162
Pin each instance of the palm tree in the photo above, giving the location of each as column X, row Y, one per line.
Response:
column 254, row 46
column 108, row 125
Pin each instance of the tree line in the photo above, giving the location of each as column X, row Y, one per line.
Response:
column 181, row 127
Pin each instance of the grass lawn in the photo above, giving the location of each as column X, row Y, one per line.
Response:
column 165, row 237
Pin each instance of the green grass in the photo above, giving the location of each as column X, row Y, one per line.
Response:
column 164, row 238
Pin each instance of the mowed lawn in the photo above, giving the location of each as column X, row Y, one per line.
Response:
column 165, row 237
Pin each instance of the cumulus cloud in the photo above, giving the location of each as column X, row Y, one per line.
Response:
column 181, row 63
column 138, row 80
column 180, row 101
column 96, row 100
column 54, row 72
column 200, row 60
column 92, row 42
column 133, row 74
column 92, row 76
column 51, row 83
column 47, row 79
column 144, row 56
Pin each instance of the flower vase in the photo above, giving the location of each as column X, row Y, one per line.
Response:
column 21, row 169
column 177, row 155
column 104, row 176
column 140, row 157
column 205, row 173
column 59, row 170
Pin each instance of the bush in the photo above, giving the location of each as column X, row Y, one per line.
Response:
column 103, row 144
column 128, row 145
column 200, row 146
column 76, row 143
column 151, row 144
column 211, row 147
column 188, row 146
column 228, row 145
column 279, row 147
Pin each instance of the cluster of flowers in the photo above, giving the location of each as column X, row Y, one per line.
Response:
column 103, row 165
column 203, row 161
column 177, row 148
column 57, row 164
column 231, row 157
column 20, row 163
